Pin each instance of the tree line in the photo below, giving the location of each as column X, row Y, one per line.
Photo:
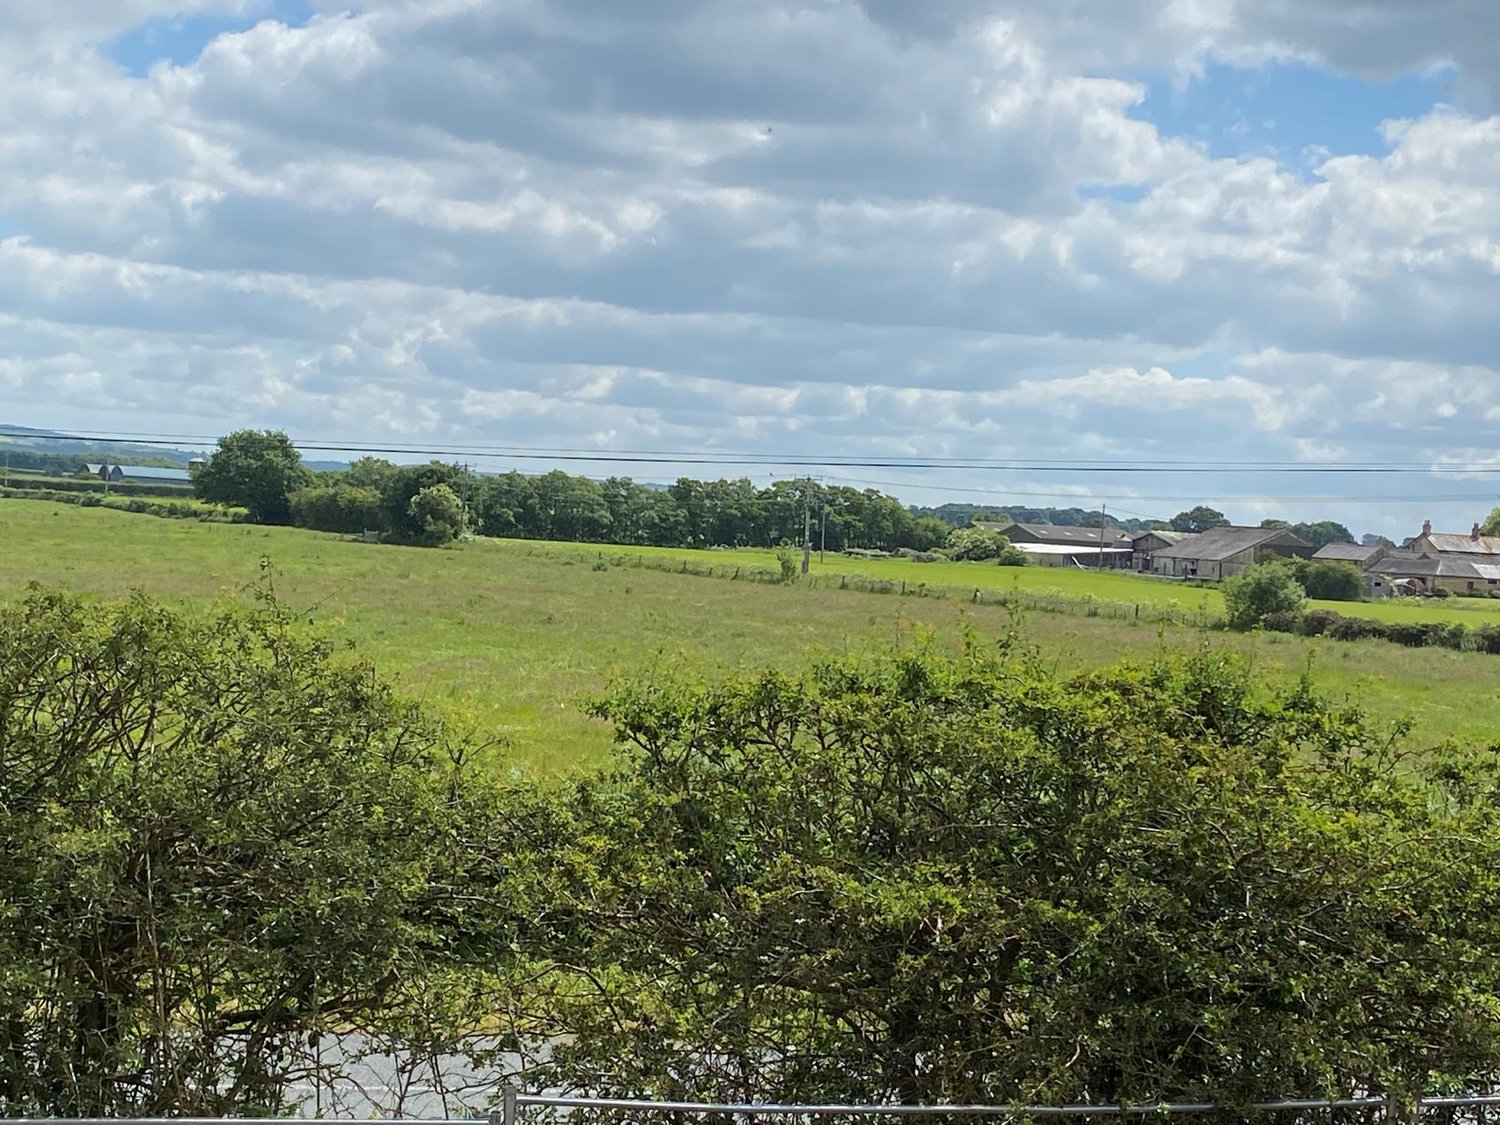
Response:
column 263, row 473
column 923, row 876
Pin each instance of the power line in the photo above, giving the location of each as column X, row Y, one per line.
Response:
column 641, row 457
column 1081, row 499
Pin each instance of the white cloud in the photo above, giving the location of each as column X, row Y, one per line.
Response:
column 854, row 226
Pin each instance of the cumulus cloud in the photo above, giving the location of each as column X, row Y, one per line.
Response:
column 859, row 226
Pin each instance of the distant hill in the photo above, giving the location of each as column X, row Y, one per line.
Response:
column 45, row 446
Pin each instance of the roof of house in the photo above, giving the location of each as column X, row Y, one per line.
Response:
column 152, row 472
column 94, row 469
column 1405, row 564
column 1164, row 535
column 1464, row 544
column 1066, row 536
column 1220, row 543
column 1346, row 552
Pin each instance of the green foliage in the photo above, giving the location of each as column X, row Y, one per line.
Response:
column 1322, row 533
column 934, row 878
column 1329, row 581
column 978, row 544
column 439, row 512
column 1491, row 524
column 343, row 508
column 1198, row 519
column 221, row 840
column 257, row 470
column 1260, row 590
column 786, row 559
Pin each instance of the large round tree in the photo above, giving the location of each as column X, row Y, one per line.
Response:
column 257, row 470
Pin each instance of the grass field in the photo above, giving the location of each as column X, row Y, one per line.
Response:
column 513, row 637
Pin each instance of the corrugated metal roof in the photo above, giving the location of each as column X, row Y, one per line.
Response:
column 1346, row 552
column 152, row 472
column 1426, row 566
column 1165, row 536
column 1065, row 549
column 1488, row 571
column 1225, row 542
column 1056, row 533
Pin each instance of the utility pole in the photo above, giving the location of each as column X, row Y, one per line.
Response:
column 807, row 529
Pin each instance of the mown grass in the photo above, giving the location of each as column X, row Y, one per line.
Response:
column 512, row 638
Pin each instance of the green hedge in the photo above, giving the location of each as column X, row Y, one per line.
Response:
column 171, row 509
column 1412, row 634
column 93, row 484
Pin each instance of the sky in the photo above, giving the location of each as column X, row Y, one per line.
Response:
column 1227, row 237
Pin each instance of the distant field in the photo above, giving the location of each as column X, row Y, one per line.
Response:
column 1116, row 586
column 512, row 637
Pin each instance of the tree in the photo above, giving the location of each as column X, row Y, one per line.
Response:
column 257, row 470
column 1259, row 591
column 1370, row 539
column 1198, row 519
column 978, row 544
column 1491, row 525
column 1331, row 581
column 1322, row 533
column 342, row 508
column 934, row 878
column 223, row 839
column 439, row 512
column 401, row 488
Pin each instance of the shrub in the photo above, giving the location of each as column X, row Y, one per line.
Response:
column 342, row 508
column 1259, row 590
column 222, row 839
column 1316, row 622
column 439, row 512
column 1414, row 634
column 1357, row 629
column 1487, row 639
column 1331, row 581
column 923, row 878
column 978, row 544
column 1282, row 622
column 786, row 558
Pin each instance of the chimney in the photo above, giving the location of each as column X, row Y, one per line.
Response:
column 1426, row 527
column 1474, row 535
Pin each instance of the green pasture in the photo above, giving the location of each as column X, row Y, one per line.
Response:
column 511, row 638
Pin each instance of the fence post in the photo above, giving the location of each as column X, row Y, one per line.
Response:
column 508, row 1109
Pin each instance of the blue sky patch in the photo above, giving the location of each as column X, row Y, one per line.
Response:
column 1292, row 112
column 180, row 40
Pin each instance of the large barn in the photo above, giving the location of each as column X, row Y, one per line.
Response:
column 1225, row 551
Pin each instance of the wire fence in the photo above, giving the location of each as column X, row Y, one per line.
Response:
column 514, row 1107
column 1040, row 601
column 1371, row 1110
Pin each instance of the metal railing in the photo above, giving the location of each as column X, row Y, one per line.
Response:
column 513, row 1102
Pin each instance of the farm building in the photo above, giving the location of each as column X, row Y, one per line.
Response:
column 1406, row 572
column 1350, row 553
column 1145, row 545
column 152, row 474
column 1225, row 551
column 1054, row 545
column 1473, row 546
column 140, row 474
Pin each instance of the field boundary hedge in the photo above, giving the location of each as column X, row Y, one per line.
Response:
column 19, row 483
column 1336, row 626
column 181, row 509
column 1051, row 601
